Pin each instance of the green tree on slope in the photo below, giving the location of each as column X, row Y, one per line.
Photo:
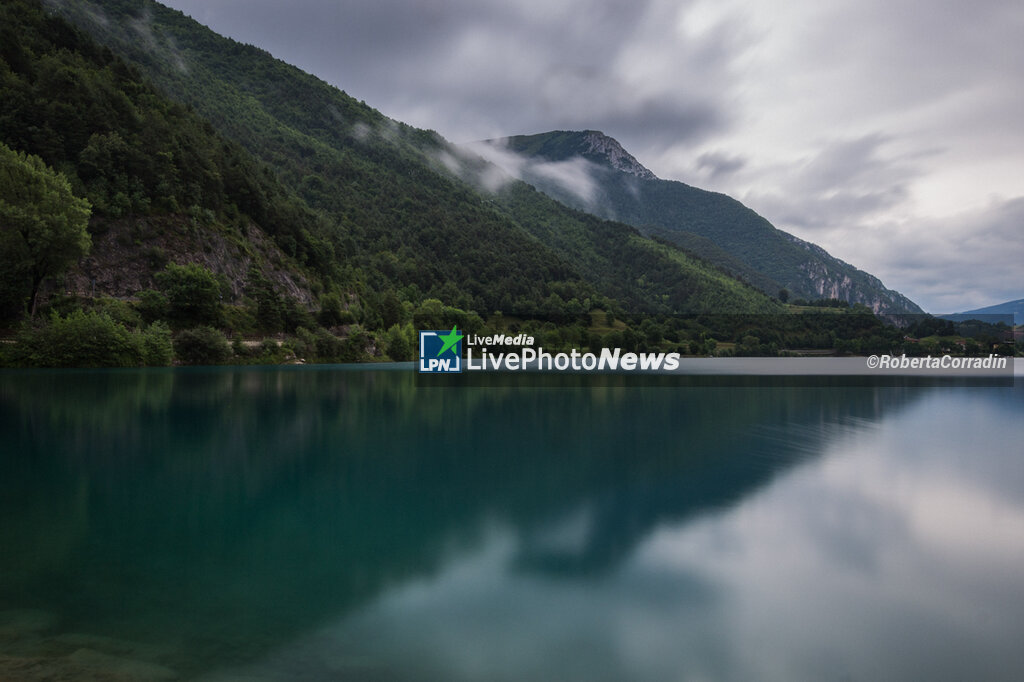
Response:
column 42, row 225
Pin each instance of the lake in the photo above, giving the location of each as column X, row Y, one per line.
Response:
column 349, row 523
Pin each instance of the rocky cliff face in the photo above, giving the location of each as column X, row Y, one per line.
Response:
column 831, row 277
column 126, row 254
column 609, row 150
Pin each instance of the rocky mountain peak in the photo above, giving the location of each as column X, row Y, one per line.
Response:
column 598, row 144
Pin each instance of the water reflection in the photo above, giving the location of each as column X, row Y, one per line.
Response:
column 895, row 555
column 327, row 522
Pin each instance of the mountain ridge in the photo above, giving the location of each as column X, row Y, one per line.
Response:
column 687, row 216
column 594, row 145
column 1007, row 308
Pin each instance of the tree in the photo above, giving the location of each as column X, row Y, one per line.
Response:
column 330, row 310
column 400, row 342
column 429, row 314
column 42, row 223
column 156, row 346
column 391, row 310
column 269, row 306
column 202, row 346
column 193, row 295
column 82, row 339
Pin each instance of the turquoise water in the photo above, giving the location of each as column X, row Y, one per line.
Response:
column 342, row 523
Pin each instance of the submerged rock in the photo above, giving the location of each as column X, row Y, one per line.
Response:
column 84, row 665
column 29, row 651
column 17, row 623
column 118, row 668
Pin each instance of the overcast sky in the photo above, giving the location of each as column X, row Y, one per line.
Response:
column 889, row 132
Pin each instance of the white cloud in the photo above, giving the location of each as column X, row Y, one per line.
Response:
column 573, row 175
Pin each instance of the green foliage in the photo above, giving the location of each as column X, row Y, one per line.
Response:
column 429, row 314
column 329, row 348
column 295, row 315
column 238, row 347
column 642, row 275
column 270, row 310
column 132, row 151
column 305, row 343
column 129, row 149
column 271, row 352
column 156, row 345
column 354, row 348
column 400, row 343
column 202, row 346
column 42, row 227
column 239, row 319
column 332, row 312
column 931, row 326
column 192, row 293
column 81, row 339
column 392, row 311
column 118, row 310
column 153, row 305
column 822, row 303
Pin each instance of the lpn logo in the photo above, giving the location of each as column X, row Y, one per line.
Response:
column 440, row 352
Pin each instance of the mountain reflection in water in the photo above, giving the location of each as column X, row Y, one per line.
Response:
column 327, row 522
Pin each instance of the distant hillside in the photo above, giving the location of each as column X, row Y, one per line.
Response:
column 1010, row 308
column 612, row 184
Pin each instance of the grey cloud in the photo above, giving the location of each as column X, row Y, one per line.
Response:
column 954, row 263
column 484, row 68
column 717, row 164
column 655, row 123
column 371, row 41
column 981, row 264
column 825, row 210
column 847, row 181
column 844, row 198
column 845, row 163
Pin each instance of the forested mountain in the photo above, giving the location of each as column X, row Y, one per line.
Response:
column 391, row 207
column 211, row 192
column 715, row 226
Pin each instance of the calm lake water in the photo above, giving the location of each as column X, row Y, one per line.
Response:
column 347, row 523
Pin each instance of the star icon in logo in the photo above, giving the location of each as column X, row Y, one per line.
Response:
column 449, row 339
